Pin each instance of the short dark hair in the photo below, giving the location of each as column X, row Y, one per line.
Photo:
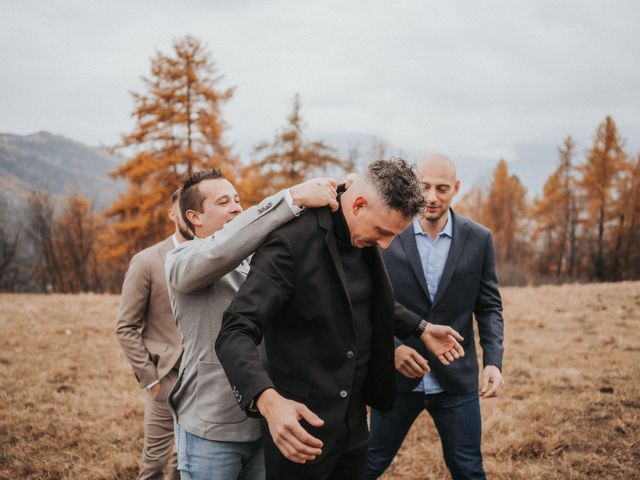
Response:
column 190, row 196
column 398, row 185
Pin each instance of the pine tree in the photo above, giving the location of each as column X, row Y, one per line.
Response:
column 288, row 160
column 602, row 169
column 556, row 218
column 178, row 128
column 506, row 212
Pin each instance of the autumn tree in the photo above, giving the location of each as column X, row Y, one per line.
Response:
column 11, row 262
column 178, row 128
column 599, row 174
column 76, row 231
column 626, row 229
column 506, row 214
column 287, row 160
column 556, row 219
column 473, row 204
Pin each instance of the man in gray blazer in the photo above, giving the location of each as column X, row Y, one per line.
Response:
column 147, row 331
column 215, row 439
column 442, row 268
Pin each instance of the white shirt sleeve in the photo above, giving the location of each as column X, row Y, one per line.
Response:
column 289, row 199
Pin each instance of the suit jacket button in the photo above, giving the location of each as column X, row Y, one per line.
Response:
column 343, row 394
column 350, row 354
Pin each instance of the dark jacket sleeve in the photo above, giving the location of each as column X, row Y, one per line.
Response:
column 488, row 310
column 405, row 322
column 267, row 287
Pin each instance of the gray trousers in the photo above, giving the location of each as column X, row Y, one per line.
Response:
column 158, row 449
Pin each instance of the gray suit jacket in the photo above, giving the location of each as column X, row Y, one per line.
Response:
column 204, row 276
column 146, row 327
column 468, row 287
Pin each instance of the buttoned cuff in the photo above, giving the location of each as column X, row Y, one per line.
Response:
column 296, row 210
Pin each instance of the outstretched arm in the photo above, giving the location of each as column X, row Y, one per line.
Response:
column 197, row 265
column 441, row 340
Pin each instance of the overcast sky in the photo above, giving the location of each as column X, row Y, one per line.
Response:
column 478, row 80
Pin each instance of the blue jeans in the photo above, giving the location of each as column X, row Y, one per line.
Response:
column 202, row 459
column 457, row 418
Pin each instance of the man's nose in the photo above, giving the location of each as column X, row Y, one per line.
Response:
column 430, row 195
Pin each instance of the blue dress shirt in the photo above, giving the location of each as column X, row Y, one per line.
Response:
column 433, row 256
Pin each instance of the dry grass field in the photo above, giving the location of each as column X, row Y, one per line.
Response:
column 70, row 407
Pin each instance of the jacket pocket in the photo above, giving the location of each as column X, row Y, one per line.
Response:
column 155, row 346
column 215, row 402
column 290, row 387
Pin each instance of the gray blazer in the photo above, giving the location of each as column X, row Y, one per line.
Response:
column 203, row 277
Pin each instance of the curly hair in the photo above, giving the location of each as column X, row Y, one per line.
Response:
column 190, row 196
column 396, row 182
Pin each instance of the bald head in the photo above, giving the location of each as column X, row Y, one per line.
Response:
column 438, row 165
column 438, row 182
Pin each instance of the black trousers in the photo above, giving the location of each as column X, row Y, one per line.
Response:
column 344, row 453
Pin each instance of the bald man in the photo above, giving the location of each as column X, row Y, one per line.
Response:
column 443, row 268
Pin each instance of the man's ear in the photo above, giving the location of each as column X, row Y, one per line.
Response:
column 359, row 203
column 194, row 218
column 456, row 187
column 172, row 215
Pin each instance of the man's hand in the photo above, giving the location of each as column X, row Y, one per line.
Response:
column 154, row 391
column 283, row 417
column 410, row 363
column 317, row 192
column 492, row 382
column 443, row 342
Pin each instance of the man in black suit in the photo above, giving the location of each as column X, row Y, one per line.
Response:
column 319, row 294
column 443, row 268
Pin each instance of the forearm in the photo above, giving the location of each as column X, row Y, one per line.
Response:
column 405, row 322
column 201, row 264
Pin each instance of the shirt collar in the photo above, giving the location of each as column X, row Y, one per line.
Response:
column 446, row 231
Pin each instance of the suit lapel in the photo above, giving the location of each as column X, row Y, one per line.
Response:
column 408, row 241
column 459, row 233
column 325, row 222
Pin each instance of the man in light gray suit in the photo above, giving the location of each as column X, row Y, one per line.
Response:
column 146, row 329
column 215, row 438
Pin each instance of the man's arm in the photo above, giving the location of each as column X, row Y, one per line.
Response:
column 442, row 340
column 268, row 285
column 488, row 314
column 198, row 265
column 133, row 304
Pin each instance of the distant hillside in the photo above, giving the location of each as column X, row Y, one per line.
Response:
column 56, row 164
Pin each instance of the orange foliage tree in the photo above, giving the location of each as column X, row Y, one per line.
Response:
column 503, row 208
column 178, row 128
column 506, row 214
column 626, row 230
column 288, row 160
column 600, row 174
column 556, row 217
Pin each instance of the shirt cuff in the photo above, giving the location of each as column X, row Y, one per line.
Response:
column 296, row 210
column 152, row 384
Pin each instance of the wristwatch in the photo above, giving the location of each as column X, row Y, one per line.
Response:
column 422, row 326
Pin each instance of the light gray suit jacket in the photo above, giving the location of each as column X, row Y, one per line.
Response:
column 203, row 277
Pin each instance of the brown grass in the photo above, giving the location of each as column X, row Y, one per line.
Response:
column 71, row 409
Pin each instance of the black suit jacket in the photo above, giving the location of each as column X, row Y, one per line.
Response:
column 296, row 297
column 468, row 285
